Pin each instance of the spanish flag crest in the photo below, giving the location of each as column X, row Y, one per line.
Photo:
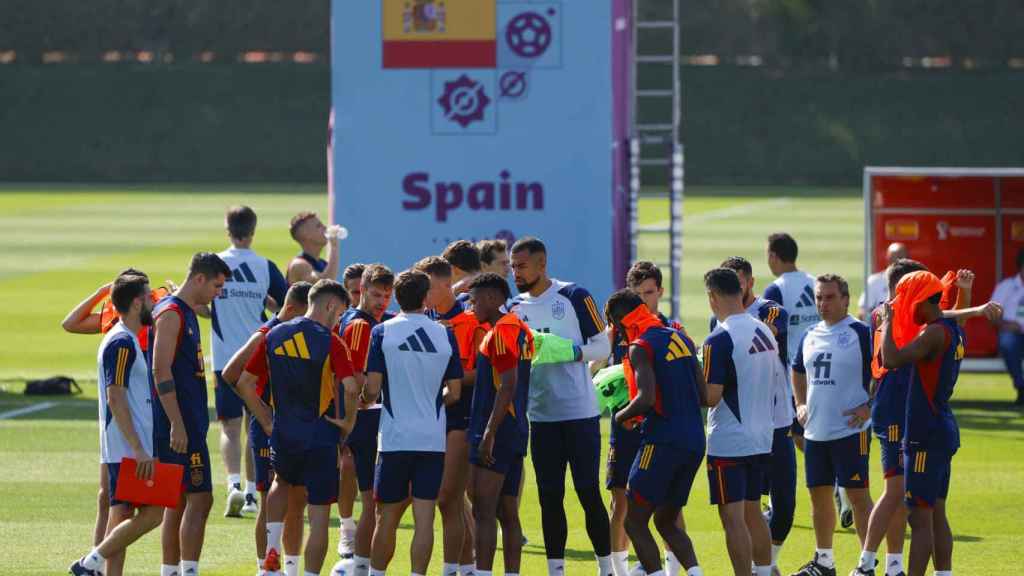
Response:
column 439, row 33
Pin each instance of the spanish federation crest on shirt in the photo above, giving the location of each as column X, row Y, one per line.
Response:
column 558, row 310
column 844, row 339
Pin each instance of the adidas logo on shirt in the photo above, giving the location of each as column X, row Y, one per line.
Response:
column 242, row 274
column 676, row 349
column 294, row 347
column 761, row 343
column 418, row 341
column 806, row 298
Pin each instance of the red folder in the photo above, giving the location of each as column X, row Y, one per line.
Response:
column 163, row 489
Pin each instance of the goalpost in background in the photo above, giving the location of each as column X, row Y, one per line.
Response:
column 950, row 218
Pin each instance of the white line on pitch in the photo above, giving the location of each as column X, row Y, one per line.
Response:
column 730, row 212
column 27, row 410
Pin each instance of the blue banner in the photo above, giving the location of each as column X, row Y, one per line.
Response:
column 425, row 154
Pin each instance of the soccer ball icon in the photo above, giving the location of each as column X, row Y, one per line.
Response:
column 528, row 34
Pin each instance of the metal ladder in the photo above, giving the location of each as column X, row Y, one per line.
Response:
column 655, row 139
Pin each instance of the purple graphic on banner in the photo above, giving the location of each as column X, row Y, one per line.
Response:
column 464, row 101
column 484, row 195
column 528, row 34
column 512, row 84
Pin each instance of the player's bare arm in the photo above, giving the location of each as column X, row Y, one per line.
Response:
column 234, row 368
column 925, row 346
column 799, row 380
column 506, row 392
column 117, row 401
column 469, row 376
column 82, row 319
column 165, row 341
column 702, row 384
column 646, row 392
column 371, row 390
column 452, row 391
column 351, row 388
column 245, row 387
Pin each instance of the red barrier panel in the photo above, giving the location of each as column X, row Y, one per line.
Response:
column 949, row 218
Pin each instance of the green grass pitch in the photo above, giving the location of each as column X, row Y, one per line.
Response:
column 57, row 243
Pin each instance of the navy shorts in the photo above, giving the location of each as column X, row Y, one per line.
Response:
column 229, row 405
column 457, row 415
column 780, row 474
column 113, row 469
column 196, row 461
column 843, row 461
column 259, row 443
column 890, row 443
column 315, row 468
column 362, row 442
column 622, row 451
column 927, row 476
column 573, row 442
column 736, row 478
column 401, row 474
column 507, row 461
column 663, row 474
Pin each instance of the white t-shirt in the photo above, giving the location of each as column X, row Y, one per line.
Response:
column 876, row 292
column 122, row 364
column 560, row 392
column 238, row 311
column 1009, row 293
column 837, row 362
column 416, row 356
column 795, row 292
column 741, row 355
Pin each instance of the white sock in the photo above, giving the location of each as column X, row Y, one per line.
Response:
column 450, row 569
column 168, row 570
column 604, row 565
column 274, row 532
column 776, row 548
column 414, row 574
column 695, row 571
column 763, row 570
column 620, row 563
column 867, row 560
column 360, row 566
column 943, row 573
column 825, row 557
column 250, row 487
column 189, row 568
column 484, row 573
column 291, row 565
column 259, row 566
column 844, row 500
column 375, row 572
column 893, row 564
column 672, row 565
column 658, row 573
column 467, row 569
column 93, row 560
column 556, row 566
column 308, row 573
column 348, row 525
column 234, row 480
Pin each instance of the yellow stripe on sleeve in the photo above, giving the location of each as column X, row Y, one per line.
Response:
column 122, row 360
